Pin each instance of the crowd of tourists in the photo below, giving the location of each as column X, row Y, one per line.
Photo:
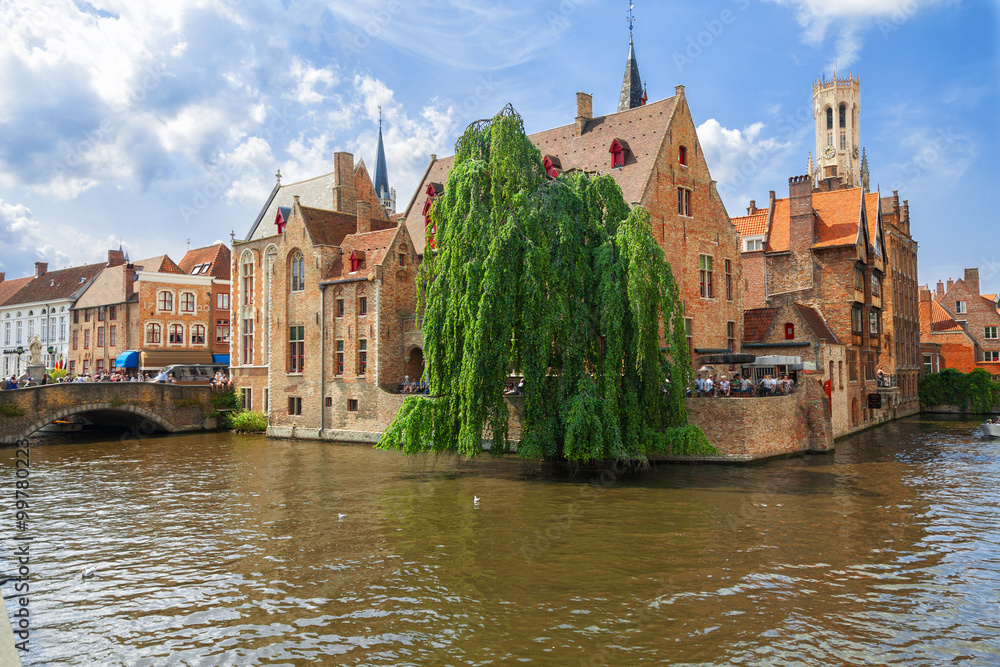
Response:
column 713, row 385
column 408, row 386
column 219, row 382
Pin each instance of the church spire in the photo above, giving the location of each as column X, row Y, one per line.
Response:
column 865, row 175
column 386, row 195
column 632, row 89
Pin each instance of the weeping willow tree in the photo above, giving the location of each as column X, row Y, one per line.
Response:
column 556, row 280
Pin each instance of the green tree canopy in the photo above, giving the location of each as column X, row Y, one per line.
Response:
column 556, row 280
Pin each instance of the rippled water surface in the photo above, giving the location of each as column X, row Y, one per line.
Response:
column 215, row 549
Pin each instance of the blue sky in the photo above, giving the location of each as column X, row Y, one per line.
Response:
column 159, row 122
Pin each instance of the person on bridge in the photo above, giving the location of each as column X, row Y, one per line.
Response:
column 12, row 382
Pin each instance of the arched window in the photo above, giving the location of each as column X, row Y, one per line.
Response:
column 187, row 302
column 247, row 274
column 298, row 272
column 165, row 301
column 843, row 115
column 176, row 334
column 152, row 333
column 829, row 118
column 198, row 334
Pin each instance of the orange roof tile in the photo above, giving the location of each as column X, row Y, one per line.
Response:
column 872, row 213
column 778, row 235
column 158, row 264
column 838, row 215
column 756, row 322
column 941, row 320
column 9, row 288
column 330, row 227
column 374, row 245
column 217, row 257
column 754, row 224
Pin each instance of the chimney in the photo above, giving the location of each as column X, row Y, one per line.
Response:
column 972, row 280
column 116, row 258
column 948, row 285
column 128, row 278
column 41, row 268
column 679, row 90
column 752, row 208
column 584, row 110
column 345, row 194
column 2, row 276
column 940, row 289
column 364, row 216
column 801, row 234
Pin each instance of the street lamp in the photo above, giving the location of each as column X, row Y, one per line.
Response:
column 52, row 352
column 20, row 351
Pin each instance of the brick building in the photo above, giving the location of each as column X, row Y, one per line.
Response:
column 653, row 153
column 149, row 306
column 324, row 303
column 39, row 305
column 847, row 254
column 215, row 261
column 965, row 322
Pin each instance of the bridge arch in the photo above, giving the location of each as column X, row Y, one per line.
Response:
column 147, row 416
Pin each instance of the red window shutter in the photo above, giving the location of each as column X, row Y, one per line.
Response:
column 789, row 331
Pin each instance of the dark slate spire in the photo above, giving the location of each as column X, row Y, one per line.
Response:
column 865, row 175
column 381, row 173
column 632, row 92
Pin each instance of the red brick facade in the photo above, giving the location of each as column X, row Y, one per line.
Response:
column 963, row 322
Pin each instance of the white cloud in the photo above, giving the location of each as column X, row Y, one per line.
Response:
column 307, row 79
column 743, row 162
column 849, row 20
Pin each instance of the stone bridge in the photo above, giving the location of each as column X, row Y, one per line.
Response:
column 137, row 407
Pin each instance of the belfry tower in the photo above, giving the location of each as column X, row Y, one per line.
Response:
column 836, row 106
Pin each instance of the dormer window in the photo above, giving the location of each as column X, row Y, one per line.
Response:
column 355, row 261
column 551, row 164
column 682, row 155
column 789, row 331
column 281, row 219
column 618, row 149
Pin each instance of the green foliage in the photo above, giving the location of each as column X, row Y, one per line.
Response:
column 246, row 421
column 557, row 280
column 189, row 402
column 975, row 391
column 686, row 440
column 58, row 373
column 10, row 410
column 115, row 402
column 226, row 400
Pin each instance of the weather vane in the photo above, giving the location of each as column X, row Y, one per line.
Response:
column 631, row 18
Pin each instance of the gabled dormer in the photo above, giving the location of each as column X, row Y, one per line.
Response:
column 619, row 152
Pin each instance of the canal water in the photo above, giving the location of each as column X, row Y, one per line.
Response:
column 216, row 549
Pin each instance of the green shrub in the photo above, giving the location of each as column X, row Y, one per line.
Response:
column 10, row 410
column 189, row 402
column 246, row 421
column 58, row 373
column 226, row 400
column 976, row 390
column 115, row 402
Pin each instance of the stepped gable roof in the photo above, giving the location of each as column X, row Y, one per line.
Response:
column 756, row 322
column 329, row 228
column 644, row 128
column 106, row 289
column 9, row 288
column 872, row 203
column 941, row 319
column 158, row 264
column 838, row 216
column 316, row 192
column 778, row 236
column 373, row 246
column 211, row 260
column 816, row 322
column 57, row 285
column 754, row 224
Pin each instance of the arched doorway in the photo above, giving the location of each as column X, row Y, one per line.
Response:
column 415, row 364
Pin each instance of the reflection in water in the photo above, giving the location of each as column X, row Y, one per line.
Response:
column 223, row 550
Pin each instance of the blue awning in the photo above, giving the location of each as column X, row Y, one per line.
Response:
column 220, row 359
column 127, row 359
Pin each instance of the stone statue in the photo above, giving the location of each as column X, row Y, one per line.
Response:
column 35, row 346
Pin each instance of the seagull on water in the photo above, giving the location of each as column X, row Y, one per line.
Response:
column 89, row 571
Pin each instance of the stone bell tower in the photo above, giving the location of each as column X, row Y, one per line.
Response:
column 836, row 107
